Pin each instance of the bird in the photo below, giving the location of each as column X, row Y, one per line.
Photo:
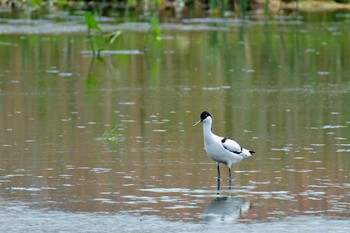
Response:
column 221, row 149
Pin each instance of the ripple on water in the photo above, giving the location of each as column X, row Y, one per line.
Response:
column 134, row 200
column 286, row 149
column 278, row 195
column 332, row 126
column 170, row 199
column 100, row 170
column 113, row 52
column 312, row 192
column 175, row 207
column 343, row 151
column 166, row 190
column 105, row 200
column 30, row 189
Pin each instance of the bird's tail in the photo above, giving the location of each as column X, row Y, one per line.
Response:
column 247, row 153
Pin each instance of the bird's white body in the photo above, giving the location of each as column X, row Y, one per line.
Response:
column 220, row 149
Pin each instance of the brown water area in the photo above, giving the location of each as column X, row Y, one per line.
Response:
column 107, row 144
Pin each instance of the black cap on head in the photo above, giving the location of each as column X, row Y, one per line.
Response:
column 204, row 115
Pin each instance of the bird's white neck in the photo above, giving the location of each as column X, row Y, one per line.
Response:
column 207, row 123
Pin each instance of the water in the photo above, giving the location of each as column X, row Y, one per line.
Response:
column 110, row 143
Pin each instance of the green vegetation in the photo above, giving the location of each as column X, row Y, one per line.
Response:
column 238, row 8
column 156, row 11
column 154, row 33
column 98, row 42
column 92, row 25
column 113, row 135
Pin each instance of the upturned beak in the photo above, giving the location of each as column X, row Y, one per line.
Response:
column 195, row 124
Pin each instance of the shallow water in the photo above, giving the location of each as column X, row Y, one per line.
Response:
column 33, row 220
column 280, row 89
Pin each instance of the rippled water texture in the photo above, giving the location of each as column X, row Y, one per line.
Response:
column 103, row 145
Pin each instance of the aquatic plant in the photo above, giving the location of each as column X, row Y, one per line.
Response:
column 98, row 42
column 113, row 135
column 92, row 25
column 113, row 36
column 91, row 22
column 154, row 33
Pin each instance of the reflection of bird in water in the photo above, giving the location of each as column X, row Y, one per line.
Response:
column 220, row 149
column 226, row 209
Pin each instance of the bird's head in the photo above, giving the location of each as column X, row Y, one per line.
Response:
column 205, row 116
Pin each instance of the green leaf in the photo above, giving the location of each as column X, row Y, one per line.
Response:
column 91, row 22
column 113, row 36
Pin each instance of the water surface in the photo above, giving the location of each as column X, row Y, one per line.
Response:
column 279, row 88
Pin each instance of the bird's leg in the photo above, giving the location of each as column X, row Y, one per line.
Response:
column 230, row 178
column 218, row 187
column 219, row 177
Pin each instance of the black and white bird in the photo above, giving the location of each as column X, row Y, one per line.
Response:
column 221, row 149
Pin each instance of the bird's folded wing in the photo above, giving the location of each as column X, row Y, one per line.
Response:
column 231, row 145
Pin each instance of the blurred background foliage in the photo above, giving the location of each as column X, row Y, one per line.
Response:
column 222, row 7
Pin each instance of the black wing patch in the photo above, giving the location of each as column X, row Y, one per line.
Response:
column 236, row 152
